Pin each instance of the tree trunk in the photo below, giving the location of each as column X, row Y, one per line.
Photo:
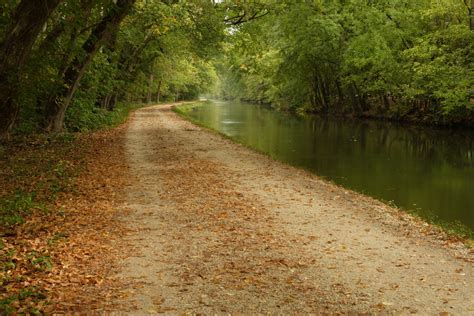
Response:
column 103, row 32
column 322, row 94
column 326, row 93
column 104, row 103
column 113, row 102
column 339, row 92
column 159, row 92
column 26, row 24
column 356, row 104
column 150, row 84
column 471, row 16
column 109, row 101
column 47, row 46
column 386, row 103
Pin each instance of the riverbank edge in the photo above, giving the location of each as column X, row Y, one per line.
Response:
column 463, row 120
column 448, row 232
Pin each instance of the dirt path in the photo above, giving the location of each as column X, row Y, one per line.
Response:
column 218, row 228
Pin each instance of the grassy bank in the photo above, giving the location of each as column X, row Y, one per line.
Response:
column 57, row 196
column 456, row 231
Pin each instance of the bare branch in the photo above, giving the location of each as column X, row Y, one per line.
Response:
column 242, row 18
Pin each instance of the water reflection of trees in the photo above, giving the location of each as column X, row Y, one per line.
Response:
column 454, row 147
column 451, row 146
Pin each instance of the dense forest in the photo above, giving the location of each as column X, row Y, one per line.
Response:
column 66, row 63
column 405, row 60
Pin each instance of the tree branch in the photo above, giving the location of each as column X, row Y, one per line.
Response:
column 241, row 18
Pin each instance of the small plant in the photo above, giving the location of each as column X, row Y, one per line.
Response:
column 12, row 210
column 6, row 260
column 40, row 261
column 22, row 303
column 64, row 138
column 60, row 169
column 6, row 263
column 56, row 238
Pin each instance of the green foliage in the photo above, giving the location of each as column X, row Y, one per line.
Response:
column 161, row 49
column 89, row 118
column 441, row 64
column 13, row 209
column 9, row 305
column 56, row 238
column 390, row 58
column 39, row 261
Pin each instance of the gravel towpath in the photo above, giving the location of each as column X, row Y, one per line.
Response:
column 216, row 228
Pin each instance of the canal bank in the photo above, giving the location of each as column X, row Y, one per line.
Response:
column 220, row 228
column 426, row 171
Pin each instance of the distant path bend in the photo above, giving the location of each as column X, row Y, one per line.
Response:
column 218, row 228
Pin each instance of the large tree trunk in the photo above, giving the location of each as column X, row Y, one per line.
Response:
column 27, row 21
column 103, row 32
column 48, row 45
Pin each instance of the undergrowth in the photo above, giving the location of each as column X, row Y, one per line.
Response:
column 37, row 171
column 91, row 118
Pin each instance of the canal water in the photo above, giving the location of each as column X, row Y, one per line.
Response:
column 426, row 170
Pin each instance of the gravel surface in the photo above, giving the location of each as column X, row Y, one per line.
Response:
column 217, row 228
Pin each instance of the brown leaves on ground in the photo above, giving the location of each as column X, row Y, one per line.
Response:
column 59, row 258
column 234, row 246
column 213, row 246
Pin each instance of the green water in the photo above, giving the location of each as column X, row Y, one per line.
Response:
column 430, row 171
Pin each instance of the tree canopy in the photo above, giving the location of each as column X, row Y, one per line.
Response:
column 397, row 58
column 66, row 63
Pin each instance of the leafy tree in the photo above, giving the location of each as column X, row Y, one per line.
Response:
column 22, row 30
column 70, row 60
column 88, row 55
column 399, row 59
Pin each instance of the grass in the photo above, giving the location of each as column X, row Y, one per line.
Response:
column 454, row 230
column 39, row 261
column 119, row 115
column 14, row 208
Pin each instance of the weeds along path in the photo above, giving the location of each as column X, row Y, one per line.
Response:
column 218, row 228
